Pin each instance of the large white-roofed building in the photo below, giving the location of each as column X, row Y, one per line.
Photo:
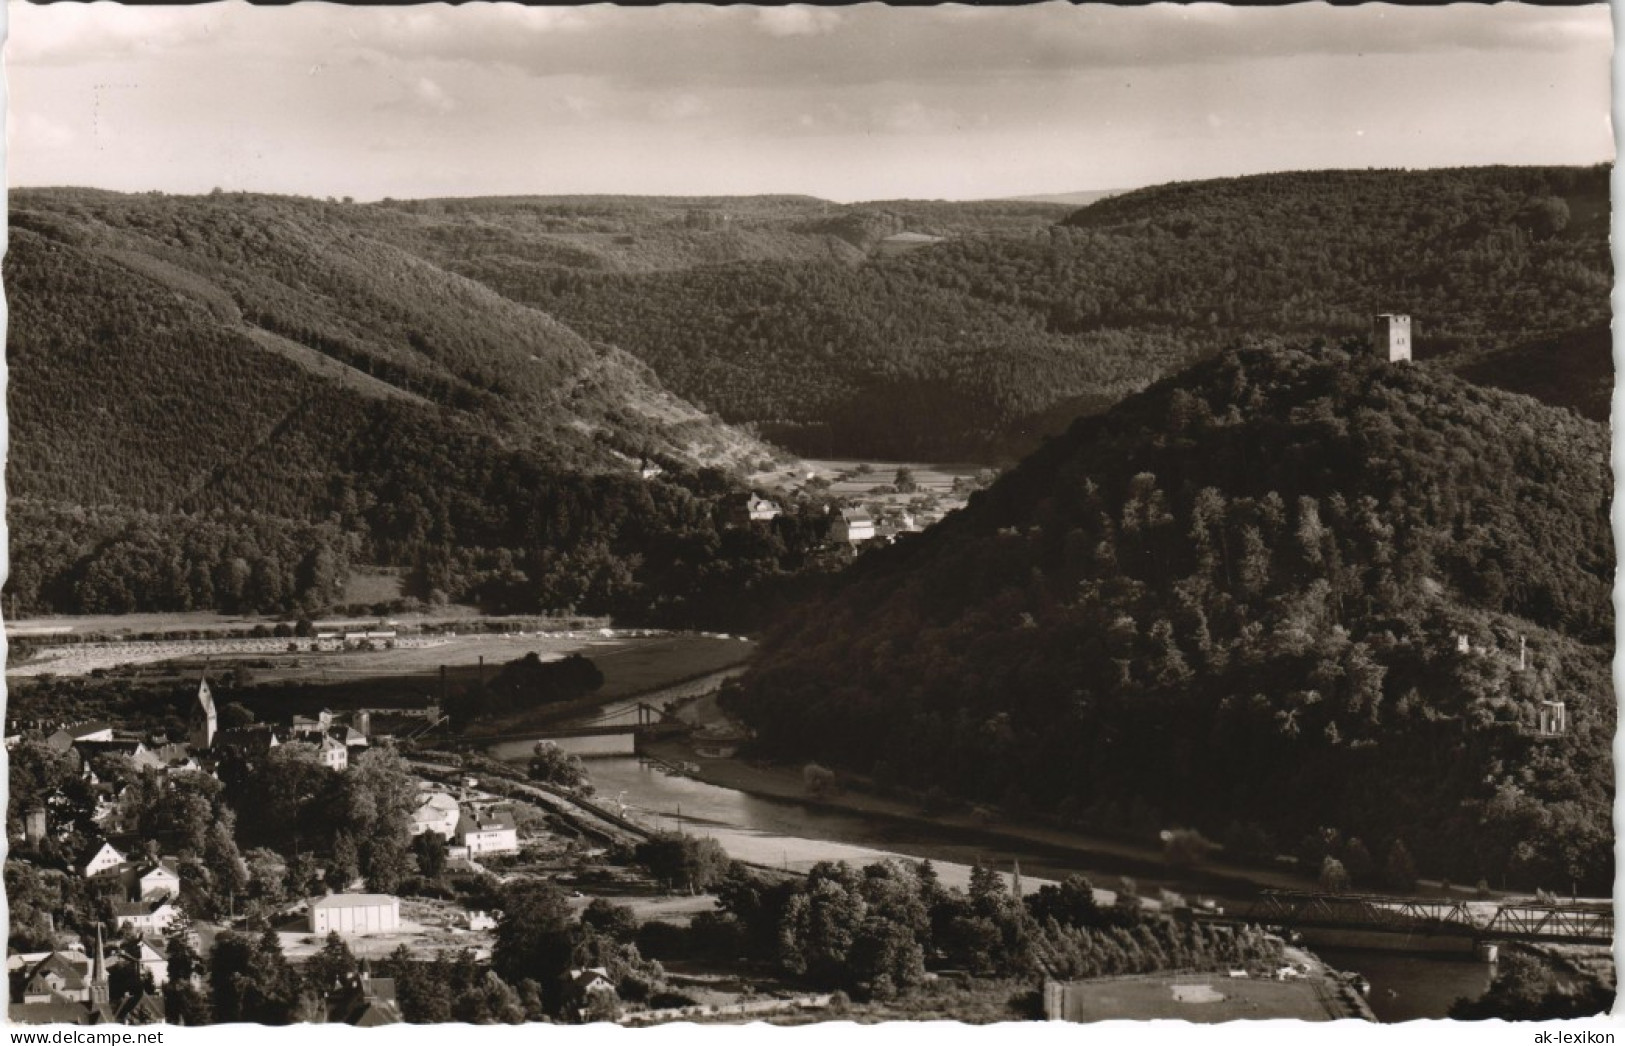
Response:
column 355, row 913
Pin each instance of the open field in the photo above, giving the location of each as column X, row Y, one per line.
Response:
column 848, row 479
column 1201, row 999
column 632, row 661
column 117, row 625
column 968, row 1002
column 374, row 584
column 857, row 481
column 77, row 659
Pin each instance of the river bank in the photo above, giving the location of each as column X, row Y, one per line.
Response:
column 788, row 784
column 656, row 671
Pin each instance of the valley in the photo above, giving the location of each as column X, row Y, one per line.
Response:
column 726, row 558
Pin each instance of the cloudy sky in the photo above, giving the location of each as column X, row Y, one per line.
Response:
column 846, row 103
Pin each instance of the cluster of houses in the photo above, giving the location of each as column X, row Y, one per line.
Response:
column 470, row 827
column 71, row 986
column 337, row 740
column 854, row 526
column 753, row 509
column 367, row 639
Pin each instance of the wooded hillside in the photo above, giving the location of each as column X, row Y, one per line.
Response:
column 979, row 345
column 223, row 401
column 1237, row 602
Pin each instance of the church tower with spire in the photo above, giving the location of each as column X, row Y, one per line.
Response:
column 203, row 722
column 100, row 992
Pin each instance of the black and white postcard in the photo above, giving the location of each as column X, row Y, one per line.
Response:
column 715, row 515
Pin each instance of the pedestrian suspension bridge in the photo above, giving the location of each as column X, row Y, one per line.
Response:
column 617, row 731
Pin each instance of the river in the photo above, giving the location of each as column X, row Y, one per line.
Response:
column 1408, row 987
column 788, row 834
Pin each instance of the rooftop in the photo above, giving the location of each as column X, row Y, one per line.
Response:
column 351, row 900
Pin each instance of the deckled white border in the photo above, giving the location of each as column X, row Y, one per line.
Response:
column 944, row 1033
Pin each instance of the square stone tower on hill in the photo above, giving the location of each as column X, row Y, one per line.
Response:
column 1391, row 337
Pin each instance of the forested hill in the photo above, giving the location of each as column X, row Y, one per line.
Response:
column 223, row 401
column 1236, row 602
column 644, row 234
column 291, row 281
column 1006, row 329
column 1484, row 258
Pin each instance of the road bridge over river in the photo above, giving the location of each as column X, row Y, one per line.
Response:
column 1480, row 921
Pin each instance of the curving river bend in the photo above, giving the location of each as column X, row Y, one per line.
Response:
column 788, row 834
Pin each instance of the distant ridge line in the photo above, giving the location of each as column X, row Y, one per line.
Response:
column 1082, row 198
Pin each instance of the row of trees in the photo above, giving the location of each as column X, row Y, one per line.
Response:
column 523, row 684
column 119, row 561
column 871, row 931
column 1533, row 988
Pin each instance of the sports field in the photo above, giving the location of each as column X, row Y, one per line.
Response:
column 1201, row 999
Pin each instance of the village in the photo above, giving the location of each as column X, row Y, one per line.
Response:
column 146, row 895
column 155, row 898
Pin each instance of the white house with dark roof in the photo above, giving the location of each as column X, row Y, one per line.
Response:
column 853, row 525
column 488, row 830
column 149, row 957
column 100, row 860
column 145, row 916
column 333, row 754
column 59, row 977
column 65, row 738
column 156, row 879
column 437, row 812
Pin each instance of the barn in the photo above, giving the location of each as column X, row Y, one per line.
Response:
column 349, row 913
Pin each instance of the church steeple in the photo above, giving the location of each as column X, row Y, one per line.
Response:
column 203, row 722
column 99, row 990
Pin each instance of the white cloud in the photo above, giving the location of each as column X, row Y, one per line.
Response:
column 679, row 107
column 575, row 105
column 41, row 34
column 915, row 118
column 422, row 96
column 30, row 132
column 797, row 20
column 432, row 95
column 868, row 100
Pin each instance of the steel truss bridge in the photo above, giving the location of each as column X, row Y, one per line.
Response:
column 1571, row 923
